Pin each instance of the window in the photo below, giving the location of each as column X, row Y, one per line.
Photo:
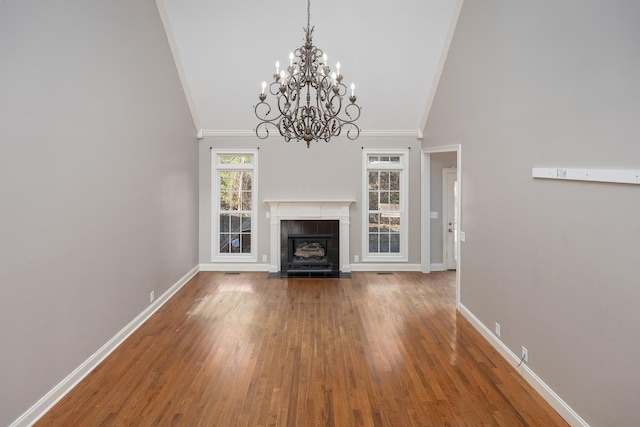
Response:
column 233, row 211
column 385, row 195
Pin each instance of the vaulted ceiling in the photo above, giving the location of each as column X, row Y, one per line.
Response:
column 392, row 51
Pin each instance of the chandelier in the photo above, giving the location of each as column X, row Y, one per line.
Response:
column 309, row 97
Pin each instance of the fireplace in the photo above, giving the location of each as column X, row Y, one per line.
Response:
column 309, row 253
column 316, row 218
column 309, row 248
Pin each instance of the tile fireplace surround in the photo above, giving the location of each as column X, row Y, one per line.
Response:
column 309, row 210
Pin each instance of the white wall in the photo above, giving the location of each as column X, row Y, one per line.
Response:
column 535, row 84
column 98, row 183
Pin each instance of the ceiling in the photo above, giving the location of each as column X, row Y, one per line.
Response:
column 392, row 51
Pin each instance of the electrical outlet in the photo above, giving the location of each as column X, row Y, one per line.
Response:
column 525, row 354
column 498, row 329
column 462, row 236
column 356, row 258
column 264, row 258
column 152, row 296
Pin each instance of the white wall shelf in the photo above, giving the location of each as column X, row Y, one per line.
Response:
column 619, row 176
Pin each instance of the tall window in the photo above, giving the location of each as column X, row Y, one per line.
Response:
column 234, row 195
column 385, row 194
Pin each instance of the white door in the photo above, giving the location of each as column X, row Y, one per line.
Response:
column 450, row 217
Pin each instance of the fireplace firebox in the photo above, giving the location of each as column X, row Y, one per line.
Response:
column 310, row 248
column 309, row 253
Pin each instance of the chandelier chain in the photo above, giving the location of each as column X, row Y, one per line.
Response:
column 308, row 13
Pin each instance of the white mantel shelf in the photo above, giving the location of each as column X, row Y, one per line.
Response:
column 309, row 209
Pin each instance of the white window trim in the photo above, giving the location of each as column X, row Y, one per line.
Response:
column 403, row 256
column 216, row 256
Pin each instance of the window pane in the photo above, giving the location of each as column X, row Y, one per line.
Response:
column 225, row 201
column 384, row 159
column 373, row 159
column 235, row 201
column 235, row 244
column 230, row 159
column 374, row 180
column 234, row 180
column 384, row 223
column 246, row 223
column 373, row 200
column 247, row 159
column 394, row 159
column 374, row 220
column 384, row 243
column 394, row 243
column 224, row 243
column 394, row 180
column 233, row 223
column 225, row 181
column 384, row 180
column 394, row 222
column 246, row 180
column 245, row 247
column 246, row 200
column 384, row 200
column 373, row 243
column 394, row 200
column 225, row 221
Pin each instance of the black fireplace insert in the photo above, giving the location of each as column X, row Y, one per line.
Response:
column 309, row 253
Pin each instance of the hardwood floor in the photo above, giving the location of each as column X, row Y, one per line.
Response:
column 374, row 350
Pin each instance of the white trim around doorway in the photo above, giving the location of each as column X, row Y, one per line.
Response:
column 425, row 217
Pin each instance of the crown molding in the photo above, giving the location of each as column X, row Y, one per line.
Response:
column 443, row 59
column 234, row 133
column 175, row 53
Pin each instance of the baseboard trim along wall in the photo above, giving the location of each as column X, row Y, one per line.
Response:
column 385, row 267
column 438, row 267
column 240, row 267
column 234, row 267
column 534, row 380
column 41, row 407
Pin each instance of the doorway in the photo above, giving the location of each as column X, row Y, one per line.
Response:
column 450, row 218
column 441, row 192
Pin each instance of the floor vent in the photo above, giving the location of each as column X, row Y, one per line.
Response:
column 232, row 273
column 385, row 274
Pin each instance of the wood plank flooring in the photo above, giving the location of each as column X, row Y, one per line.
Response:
column 244, row 350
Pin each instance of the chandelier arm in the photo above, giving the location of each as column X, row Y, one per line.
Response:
column 263, row 116
column 264, row 126
column 352, row 111
column 355, row 129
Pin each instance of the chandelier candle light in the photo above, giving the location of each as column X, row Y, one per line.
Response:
column 309, row 97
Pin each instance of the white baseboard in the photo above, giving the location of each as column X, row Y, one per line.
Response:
column 385, row 267
column 534, row 380
column 43, row 405
column 438, row 267
column 233, row 267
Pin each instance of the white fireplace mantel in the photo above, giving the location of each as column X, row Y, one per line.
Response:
column 309, row 210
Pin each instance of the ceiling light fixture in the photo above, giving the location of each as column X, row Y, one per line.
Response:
column 309, row 97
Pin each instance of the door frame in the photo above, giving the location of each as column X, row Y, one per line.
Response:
column 425, row 217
